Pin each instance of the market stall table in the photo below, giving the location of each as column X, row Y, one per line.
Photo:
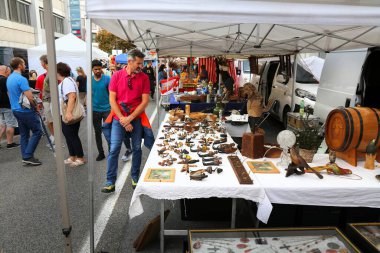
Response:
column 223, row 185
column 207, row 107
column 361, row 189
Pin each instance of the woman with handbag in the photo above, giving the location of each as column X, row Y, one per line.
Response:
column 72, row 113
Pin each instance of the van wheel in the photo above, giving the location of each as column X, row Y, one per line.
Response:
column 285, row 117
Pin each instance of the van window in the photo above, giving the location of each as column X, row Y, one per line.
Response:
column 304, row 76
column 246, row 68
column 370, row 80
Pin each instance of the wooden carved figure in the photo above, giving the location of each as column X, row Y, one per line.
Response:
column 370, row 155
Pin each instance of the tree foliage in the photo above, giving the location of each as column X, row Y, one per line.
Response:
column 107, row 41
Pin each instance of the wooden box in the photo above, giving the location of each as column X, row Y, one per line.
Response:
column 296, row 122
column 253, row 145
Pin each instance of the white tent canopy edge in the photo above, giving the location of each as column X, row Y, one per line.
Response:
column 239, row 28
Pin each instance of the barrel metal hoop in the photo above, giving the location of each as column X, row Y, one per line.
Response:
column 361, row 127
column 351, row 134
column 378, row 125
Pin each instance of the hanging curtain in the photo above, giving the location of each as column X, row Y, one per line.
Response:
column 210, row 67
column 232, row 72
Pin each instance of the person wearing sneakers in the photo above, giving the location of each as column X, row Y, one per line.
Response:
column 68, row 93
column 129, row 96
column 8, row 121
column 100, row 103
column 27, row 119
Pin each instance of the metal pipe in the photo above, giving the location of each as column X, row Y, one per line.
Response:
column 90, row 154
column 157, row 94
column 52, row 74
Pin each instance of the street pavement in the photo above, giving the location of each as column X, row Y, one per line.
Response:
column 30, row 215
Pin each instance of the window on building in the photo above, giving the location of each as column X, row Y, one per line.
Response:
column 58, row 24
column 19, row 11
column 42, row 21
column 3, row 11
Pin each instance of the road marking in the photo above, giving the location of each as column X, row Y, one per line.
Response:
column 108, row 206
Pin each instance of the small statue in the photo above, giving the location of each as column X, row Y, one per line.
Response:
column 370, row 155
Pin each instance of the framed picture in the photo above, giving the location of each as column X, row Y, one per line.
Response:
column 262, row 167
column 282, row 240
column 366, row 236
column 160, row 175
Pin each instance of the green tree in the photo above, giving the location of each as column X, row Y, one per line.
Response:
column 107, row 41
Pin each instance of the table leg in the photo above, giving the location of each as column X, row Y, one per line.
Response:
column 233, row 213
column 162, row 227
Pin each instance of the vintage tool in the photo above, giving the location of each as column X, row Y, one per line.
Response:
column 346, row 132
column 198, row 177
column 226, row 148
column 239, row 170
column 162, row 150
column 187, row 161
column 221, row 140
column 186, row 167
column 213, row 162
column 207, row 154
column 212, row 158
column 300, row 162
column 253, row 145
column 370, row 155
column 167, row 162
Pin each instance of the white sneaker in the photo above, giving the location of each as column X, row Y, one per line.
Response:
column 127, row 156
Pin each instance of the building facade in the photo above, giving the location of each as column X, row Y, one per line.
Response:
column 22, row 25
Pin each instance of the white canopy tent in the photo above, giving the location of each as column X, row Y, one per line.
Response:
column 240, row 28
column 69, row 49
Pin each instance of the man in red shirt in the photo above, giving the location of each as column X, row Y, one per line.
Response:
column 129, row 96
column 45, row 96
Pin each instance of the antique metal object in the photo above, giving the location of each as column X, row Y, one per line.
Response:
column 207, row 154
column 239, row 170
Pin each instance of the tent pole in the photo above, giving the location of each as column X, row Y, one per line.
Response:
column 61, row 173
column 90, row 155
column 294, row 80
column 157, row 93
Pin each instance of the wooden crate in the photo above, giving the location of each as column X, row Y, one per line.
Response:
column 295, row 120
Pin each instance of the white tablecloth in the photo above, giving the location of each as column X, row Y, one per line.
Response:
column 237, row 131
column 223, row 185
column 332, row 190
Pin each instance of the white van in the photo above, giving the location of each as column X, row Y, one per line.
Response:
column 349, row 78
column 276, row 84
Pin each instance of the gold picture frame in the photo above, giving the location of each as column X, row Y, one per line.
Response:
column 264, row 167
column 165, row 175
column 355, row 227
column 274, row 232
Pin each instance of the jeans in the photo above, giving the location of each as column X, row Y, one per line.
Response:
column 118, row 135
column 28, row 121
column 71, row 133
column 97, row 118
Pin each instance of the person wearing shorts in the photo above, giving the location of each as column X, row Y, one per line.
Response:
column 8, row 122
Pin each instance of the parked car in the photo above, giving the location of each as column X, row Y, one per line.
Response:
column 349, row 78
column 276, row 84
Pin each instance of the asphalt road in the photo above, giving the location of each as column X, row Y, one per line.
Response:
column 30, row 218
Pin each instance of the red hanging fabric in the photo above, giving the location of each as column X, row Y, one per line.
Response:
column 232, row 71
column 210, row 67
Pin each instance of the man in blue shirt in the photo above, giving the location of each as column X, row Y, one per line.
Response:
column 27, row 118
column 100, row 103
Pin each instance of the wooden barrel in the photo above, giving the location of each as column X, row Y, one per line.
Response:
column 352, row 128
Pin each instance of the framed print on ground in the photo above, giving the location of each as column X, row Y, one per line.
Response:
column 160, row 175
column 262, row 167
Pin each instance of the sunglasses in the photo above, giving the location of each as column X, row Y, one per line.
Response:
column 130, row 83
